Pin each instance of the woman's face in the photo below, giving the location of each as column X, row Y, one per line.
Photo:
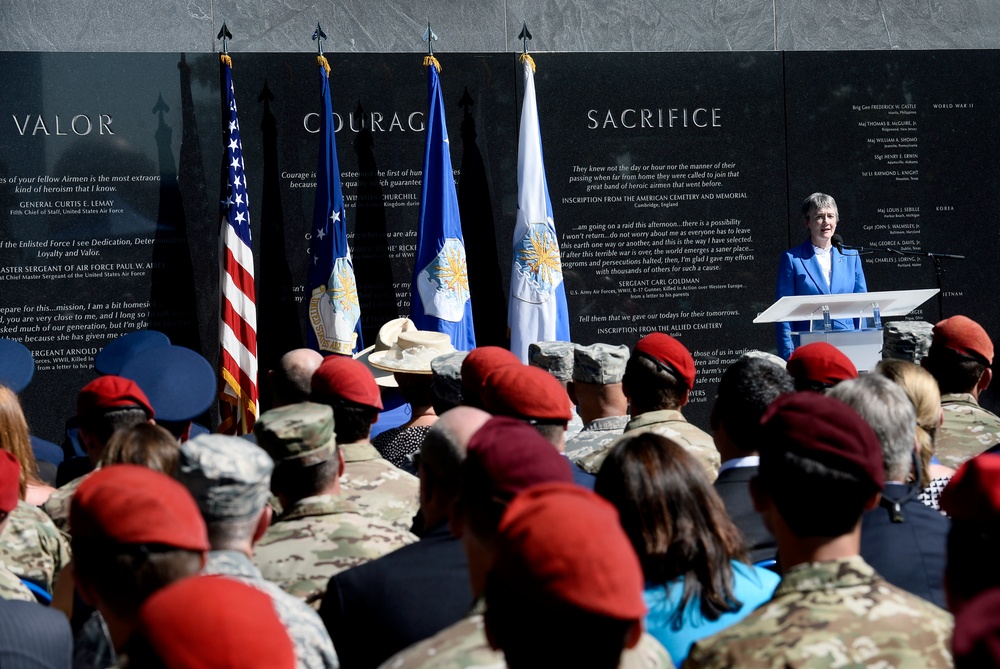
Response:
column 822, row 223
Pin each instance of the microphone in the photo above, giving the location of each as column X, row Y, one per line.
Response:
column 838, row 242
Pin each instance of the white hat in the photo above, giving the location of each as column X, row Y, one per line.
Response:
column 413, row 351
column 387, row 335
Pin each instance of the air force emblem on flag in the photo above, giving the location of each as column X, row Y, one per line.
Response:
column 538, row 269
column 444, row 283
column 334, row 310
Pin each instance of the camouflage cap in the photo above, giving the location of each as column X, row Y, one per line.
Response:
column 229, row 477
column 555, row 357
column 603, row 364
column 446, row 374
column 301, row 433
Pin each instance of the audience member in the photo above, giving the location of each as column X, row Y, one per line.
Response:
column 820, row 469
column 564, row 572
column 34, row 637
column 291, row 380
column 230, row 481
column 477, row 365
column 746, row 390
column 378, row 487
column 819, row 366
column 320, row 531
column 16, row 440
column 11, row 586
column 658, row 380
column 903, row 540
column 596, row 389
column 381, row 607
column 693, row 557
column 922, row 389
column 446, row 381
column 556, row 358
column 17, row 368
column 959, row 359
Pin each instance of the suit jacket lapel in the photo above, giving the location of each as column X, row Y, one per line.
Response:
column 811, row 263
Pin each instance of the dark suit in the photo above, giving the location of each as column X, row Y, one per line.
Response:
column 910, row 554
column 34, row 637
column 383, row 606
column 799, row 273
column 733, row 486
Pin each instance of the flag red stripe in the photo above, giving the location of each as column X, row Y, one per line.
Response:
column 242, row 278
column 248, row 388
column 243, row 330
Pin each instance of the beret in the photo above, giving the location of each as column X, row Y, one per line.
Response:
column 214, row 622
column 665, row 350
column 111, row 392
column 964, row 335
column 973, row 494
column 344, row 378
column 526, row 392
column 555, row 357
column 976, row 640
column 179, row 383
column 17, row 365
column 117, row 351
column 477, row 366
column 129, row 504
column 559, row 542
column 505, row 456
column 302, row 433
column 824, row 429
column 10, row 481
column 820, row 362
column 229, row 477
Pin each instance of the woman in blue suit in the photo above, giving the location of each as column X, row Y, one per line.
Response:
column 815, row 267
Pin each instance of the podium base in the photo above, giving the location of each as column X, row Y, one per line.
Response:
column 862, row 347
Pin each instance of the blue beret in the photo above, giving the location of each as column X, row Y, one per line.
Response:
column 179, row 383
column 117, row 352
column 17, row 365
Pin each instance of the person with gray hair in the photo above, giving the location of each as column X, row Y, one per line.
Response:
column 230, row 480
column 290, row 380
column 903, row 539
column 817, row 267
column 381, row 607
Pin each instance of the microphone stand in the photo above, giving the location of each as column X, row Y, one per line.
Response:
column 936, row 258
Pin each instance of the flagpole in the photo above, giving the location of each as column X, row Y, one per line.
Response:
column 238, row 393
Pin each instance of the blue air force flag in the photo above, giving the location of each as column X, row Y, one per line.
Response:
column 537, row 309
column 334, row 309
column 440, row 294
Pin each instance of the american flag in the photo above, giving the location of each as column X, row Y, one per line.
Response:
column 238, row 327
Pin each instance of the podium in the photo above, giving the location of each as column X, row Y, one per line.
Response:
column 862, row 346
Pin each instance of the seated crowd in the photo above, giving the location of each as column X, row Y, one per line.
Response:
column 417, row 506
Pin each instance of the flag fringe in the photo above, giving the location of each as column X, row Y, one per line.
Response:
column 322, row 61
column 525, row 58
column 224, row 57
column 431, row 60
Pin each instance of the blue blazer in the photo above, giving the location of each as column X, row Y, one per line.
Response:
column 799, row 273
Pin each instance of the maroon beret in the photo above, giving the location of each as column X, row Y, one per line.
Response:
column 10, row 481
column 559, row 542
column 214, row 622
column 821, row 362
column 129, row 504
column 347, row 379
column 976, row 640
column 666, row 350
column 111, row 392
column 477, row 365
column 825, row 429
column 506, row 455
column 964, row 335
column 974, row 491
column 528, row 393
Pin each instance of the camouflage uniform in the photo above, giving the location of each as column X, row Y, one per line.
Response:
column 669, row 423
column 967, row 430
column 838, row 613
column 230, row 480
column 12, row 588
column 319, row 537
column 32, row 547
column 57, row 505
column 594, row 436
column 377, row 487
column 464, row 645
column 313, row 647
column 556, row 358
